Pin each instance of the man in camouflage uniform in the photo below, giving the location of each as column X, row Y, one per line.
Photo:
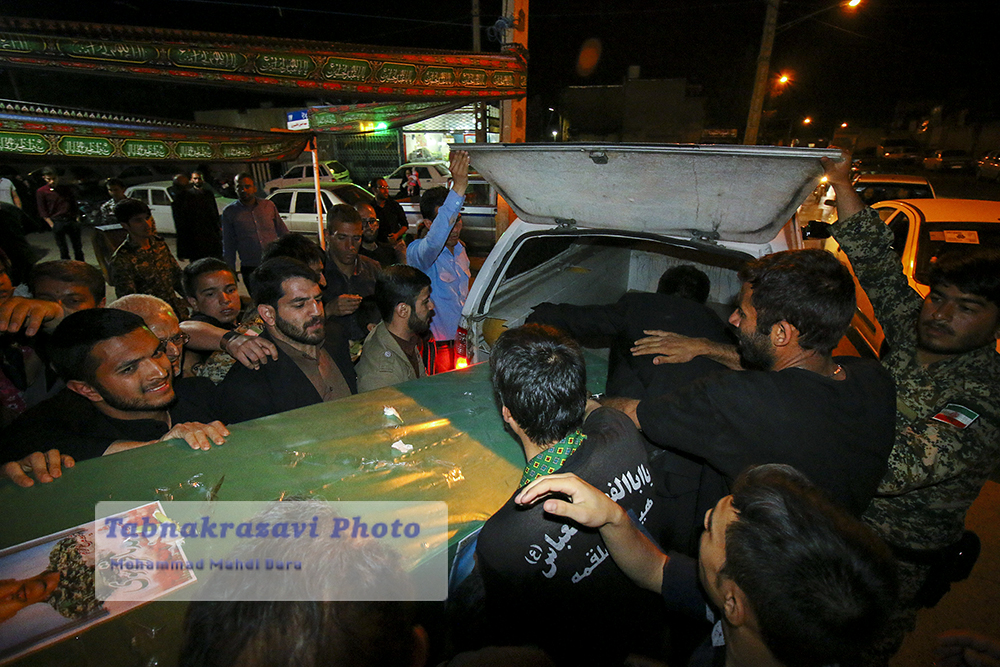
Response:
column 143, row 264
column 947, row 372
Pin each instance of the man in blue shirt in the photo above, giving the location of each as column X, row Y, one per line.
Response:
column 442, row 256
column 249, row 224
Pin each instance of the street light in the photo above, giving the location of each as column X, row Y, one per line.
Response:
column 764, row 62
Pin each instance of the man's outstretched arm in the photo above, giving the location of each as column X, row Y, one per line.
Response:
column 673, row 348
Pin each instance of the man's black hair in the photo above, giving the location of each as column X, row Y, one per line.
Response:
column 341, row 213
column 685, row 281
column 540, row 376
column 267, row 279
column 809, row 289
column 821, row 584
column 49, row 171
column 70, row 271
column 975, row 271
column 398, row 284
column 200, row 267
column 114, row 181
column 431, row 200
column 372, row 183
column 244, row 174
column 296, row 246
column 127, row 209
column 76, row 336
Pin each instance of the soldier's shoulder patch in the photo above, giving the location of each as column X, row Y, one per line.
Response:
column 957, row 415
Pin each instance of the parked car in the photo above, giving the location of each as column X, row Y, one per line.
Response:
column 922, row 230
column 330, row 171
column 951, row 159
column 430, row 173
column 297, row 206
column 879, row 187
column 595, row 221
column 478, row 217
column 900, row 150
column 988, row 168
column 157, row 196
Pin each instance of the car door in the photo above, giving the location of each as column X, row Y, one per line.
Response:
column 283, row 202
column 159, row 206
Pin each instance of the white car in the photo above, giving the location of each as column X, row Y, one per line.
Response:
column 157, row 196
column 430, row 173
column 298, row 175
column 297, row 206
column 596, row 221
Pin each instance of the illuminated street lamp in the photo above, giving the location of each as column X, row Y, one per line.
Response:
column 764, row 61
column 807, row 120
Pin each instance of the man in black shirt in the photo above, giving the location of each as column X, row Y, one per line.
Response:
column 678, row 306
column 391, row 217
column 523, row 554
column 120, row 394
column 830, row 418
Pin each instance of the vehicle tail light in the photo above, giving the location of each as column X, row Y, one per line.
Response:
column 460, row 363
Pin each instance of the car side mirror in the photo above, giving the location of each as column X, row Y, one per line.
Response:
column 816, row 229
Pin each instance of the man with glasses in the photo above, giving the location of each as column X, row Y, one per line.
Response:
column 383, row 253
column 120, row 394
column 249, row 224
column 161, row 320
column 350, row 276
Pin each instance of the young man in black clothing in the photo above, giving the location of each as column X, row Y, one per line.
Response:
column 830, row 418
column 539, row 380
column 120, row 394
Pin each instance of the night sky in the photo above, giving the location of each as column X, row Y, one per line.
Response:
column 853, row 66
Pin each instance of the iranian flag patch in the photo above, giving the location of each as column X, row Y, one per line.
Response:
column 957, row 415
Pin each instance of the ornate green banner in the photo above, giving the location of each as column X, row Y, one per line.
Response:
column 261, row 63
column 33, row 130
column 357, row 118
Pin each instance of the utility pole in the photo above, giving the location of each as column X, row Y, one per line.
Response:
column 513, row 113
column 763, row 70
column 476, row 45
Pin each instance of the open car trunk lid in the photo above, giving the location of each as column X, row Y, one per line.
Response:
column 712, row 192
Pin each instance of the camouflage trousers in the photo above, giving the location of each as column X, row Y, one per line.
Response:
column 903, row 619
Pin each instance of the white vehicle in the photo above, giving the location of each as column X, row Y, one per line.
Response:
column 430, row 173
column 298, row 175
column 596, row 221
column 297, row 206
column 157, row 196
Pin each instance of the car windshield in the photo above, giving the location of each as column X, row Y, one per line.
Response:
column 876, row 192
column 939, row 237
column 352, row 195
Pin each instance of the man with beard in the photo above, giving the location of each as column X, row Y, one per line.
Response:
column 249, row 224
column 942, row 356
column 391, row 353
column 119, row 395
column 797, row 405
column 312, row 365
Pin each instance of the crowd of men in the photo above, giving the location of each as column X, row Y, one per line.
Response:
column 740, row 494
